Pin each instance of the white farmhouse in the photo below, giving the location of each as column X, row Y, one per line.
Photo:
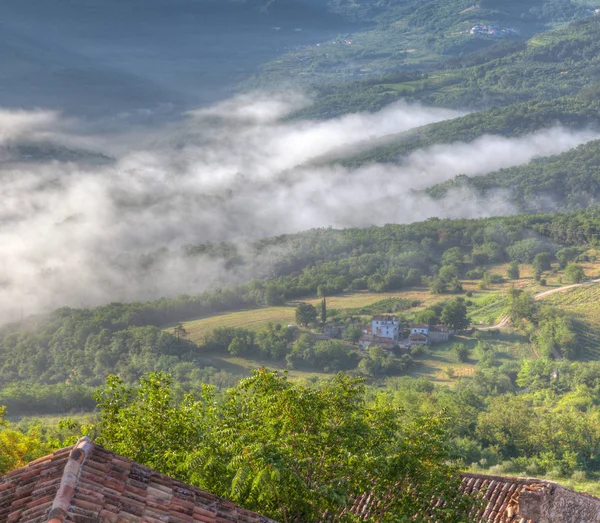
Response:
column 420, row 329
column 386, row 327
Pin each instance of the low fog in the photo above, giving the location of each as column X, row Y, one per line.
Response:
column 74, row 233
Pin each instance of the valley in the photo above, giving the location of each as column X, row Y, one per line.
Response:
column 262, row 245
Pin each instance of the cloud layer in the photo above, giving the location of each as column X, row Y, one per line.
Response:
column 72, row 233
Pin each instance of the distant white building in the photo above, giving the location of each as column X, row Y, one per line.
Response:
column 439, row 334
column 420, row 329
column 425, row 335
column 386, row 327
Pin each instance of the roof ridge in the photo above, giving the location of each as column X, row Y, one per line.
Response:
column 513, row 479
column 69, row 480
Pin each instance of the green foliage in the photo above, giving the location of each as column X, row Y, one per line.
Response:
column 574, row 273
column 525, row 251
column 17, row 449
column 291, row 452
column 306, row 314
column 428, row 317
column 555, row 335
column 521, row 306
column 273, row 296
column 542, row 262
column 454, row 314
column 513, row 273
column 352, row 333
column 566, row 255
column 381, row 362
column 147, row 425
column 324, row 355
column 461, row 352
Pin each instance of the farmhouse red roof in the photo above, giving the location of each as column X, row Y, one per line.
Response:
column 88, row 484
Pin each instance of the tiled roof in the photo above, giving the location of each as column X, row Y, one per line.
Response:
column 513, row 500
column 384, row 318
column 88, row 484
column 501, row 496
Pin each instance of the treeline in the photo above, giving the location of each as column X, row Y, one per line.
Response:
column 564, row 182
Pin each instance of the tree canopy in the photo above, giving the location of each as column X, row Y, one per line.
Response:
column 289, row 451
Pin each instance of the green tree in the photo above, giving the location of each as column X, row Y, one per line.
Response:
column 447, row 273
column 513, row 273
column 291, row 452
column 461, row 352
column 324, row 311
column 427, row 317
column 521, row 305
column 454, row 314
column 452, row 256
column 179, row 331
column 272, row 295
column 437, row 286
column 16, row 448
column 566, row 255
column 306, row 314
column 352, row 333
column 237, row 346
column 542, row 262
column 574, row 273
column 147, row 425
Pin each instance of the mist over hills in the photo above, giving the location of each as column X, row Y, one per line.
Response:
column 140, row 145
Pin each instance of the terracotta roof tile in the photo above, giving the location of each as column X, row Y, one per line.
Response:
column 88, row 484
column 510, row 500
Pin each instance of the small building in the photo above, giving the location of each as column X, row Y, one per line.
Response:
column 418, row 339
column 386, row 327
column 439, row 334
column 333, row 331
column 420, row 329
column 368, row 340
